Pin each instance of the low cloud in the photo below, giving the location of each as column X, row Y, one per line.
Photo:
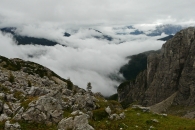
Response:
column 86, row 59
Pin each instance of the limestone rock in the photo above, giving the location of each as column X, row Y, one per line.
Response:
column 122, row 115
column 66, row 124
column 46, row 108
column 7, row 110
column 108, row 110
column 4, row 117
column 9, row 126
column 171, row 71
column 18, row 116
column 2, row 96
column 114, row 117
column 79, row 123
column 86, row 102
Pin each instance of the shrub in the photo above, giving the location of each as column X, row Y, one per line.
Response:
column 69, row 84
column 3, row 88
column 11, row 77
column 99, row 114
column 89, row 87
column 29, row 83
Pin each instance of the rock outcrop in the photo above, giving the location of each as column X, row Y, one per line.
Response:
column 170, row 72
column 33, row 94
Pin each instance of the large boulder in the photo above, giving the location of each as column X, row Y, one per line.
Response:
column 4, row 117
column 78, row 123
column 86, row 102
column 46, row 108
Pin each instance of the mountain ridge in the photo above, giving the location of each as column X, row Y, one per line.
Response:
column 169, row 72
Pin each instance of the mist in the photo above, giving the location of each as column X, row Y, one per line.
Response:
column 85, row 59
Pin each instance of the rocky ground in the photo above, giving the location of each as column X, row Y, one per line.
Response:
column 40, row 96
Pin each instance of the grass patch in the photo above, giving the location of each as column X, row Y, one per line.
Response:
column 36, row 126
column 2, row 124
column 67, row 112
column 18, row 94
column 27, row 101
column 143, row 121
column 99, row 114
column 3, row 89
column 9, row 64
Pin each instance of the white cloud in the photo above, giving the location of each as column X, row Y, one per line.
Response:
column 86, row 60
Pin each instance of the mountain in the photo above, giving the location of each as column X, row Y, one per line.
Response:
column 25, row 40
column 67, row 34
column 168, row 29
column 167, row 85
column 136, row 64
column 137, row 32
column 101, row 36
column 166, row 38
column 34, row 97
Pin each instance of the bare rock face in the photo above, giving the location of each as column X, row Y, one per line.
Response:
column 171, row 71
column 85, row 101
column 78, row 123
column 46, row 108
column 66, row 124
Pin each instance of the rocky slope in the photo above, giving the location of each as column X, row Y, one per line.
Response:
column 169, row 75
column 33, row 94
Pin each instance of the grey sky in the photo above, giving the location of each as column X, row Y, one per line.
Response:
column 92, row 12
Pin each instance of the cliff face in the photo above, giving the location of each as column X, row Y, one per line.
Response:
column 168, row 72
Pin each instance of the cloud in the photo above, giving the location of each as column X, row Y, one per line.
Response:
column 86, row 59
column 92, row 12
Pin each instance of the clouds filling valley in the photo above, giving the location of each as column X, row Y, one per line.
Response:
column 85, row 59
column 88, row 55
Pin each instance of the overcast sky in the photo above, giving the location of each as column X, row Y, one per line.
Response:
column 95, row 12
column 87, row 59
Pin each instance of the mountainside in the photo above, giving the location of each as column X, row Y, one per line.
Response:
column 169, row 76
column 34, row 97
column 166, row 38
column 25, row 40
column 137, row 63
column 38, row 98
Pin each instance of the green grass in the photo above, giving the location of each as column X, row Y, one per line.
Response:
column 2, row 123
column 4, row 89
column 36, row 126
column 99, row 114
column 132, row 121
column 143, row 122
column 18, row 94
column 27, row 101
